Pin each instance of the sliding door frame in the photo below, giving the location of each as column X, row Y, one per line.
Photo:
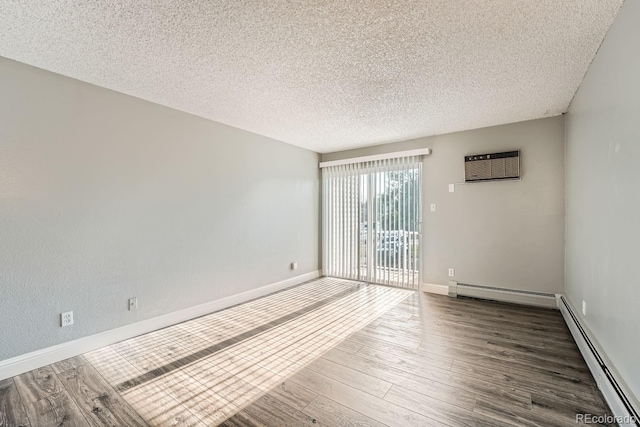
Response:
column 346, row 187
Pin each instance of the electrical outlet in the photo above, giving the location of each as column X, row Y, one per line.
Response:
column 584, row 308
column 452, row 188
column 294, row 265
column 433, row 207
column 66, row 318
column 452, row 272
column 133, row 304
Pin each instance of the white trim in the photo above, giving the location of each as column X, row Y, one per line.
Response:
column 27, row 362
column 433, row 288
column 507, row 295
column 606, row 387
column 373, row 157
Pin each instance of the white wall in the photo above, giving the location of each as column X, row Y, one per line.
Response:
column 603, row 196
column 507, row 234
column 104, row 197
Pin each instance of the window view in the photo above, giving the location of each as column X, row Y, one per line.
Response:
column 371, row 221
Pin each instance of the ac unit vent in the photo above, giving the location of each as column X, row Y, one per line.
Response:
column 488, row 167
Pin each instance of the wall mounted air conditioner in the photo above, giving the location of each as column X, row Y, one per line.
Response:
column 493, row 166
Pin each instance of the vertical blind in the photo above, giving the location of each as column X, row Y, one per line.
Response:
column 371, row 221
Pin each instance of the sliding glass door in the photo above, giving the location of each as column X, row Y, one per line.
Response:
column 371, row 221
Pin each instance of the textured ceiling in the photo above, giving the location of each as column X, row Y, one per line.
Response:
column 322, row 74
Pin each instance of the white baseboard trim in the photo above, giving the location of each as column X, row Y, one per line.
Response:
column 27, row 362
column 513, row 296
column 433, row 288
column 613, row 391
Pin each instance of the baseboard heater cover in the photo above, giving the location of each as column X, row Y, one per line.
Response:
column 616, row 397
column 541, row 299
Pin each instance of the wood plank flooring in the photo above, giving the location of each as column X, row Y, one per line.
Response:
column 327, row 353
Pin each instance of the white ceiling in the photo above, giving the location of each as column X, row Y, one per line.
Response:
column 322, row 74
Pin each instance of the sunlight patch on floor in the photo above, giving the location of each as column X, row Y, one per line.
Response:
column 203, row 371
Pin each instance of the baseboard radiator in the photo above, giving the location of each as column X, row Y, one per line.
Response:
column 623, row 409
column 514, row 296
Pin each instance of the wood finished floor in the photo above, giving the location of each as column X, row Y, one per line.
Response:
column 326, row 353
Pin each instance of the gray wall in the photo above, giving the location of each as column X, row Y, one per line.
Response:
column 603, row 196
column 104, row 196
column 507, row 234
